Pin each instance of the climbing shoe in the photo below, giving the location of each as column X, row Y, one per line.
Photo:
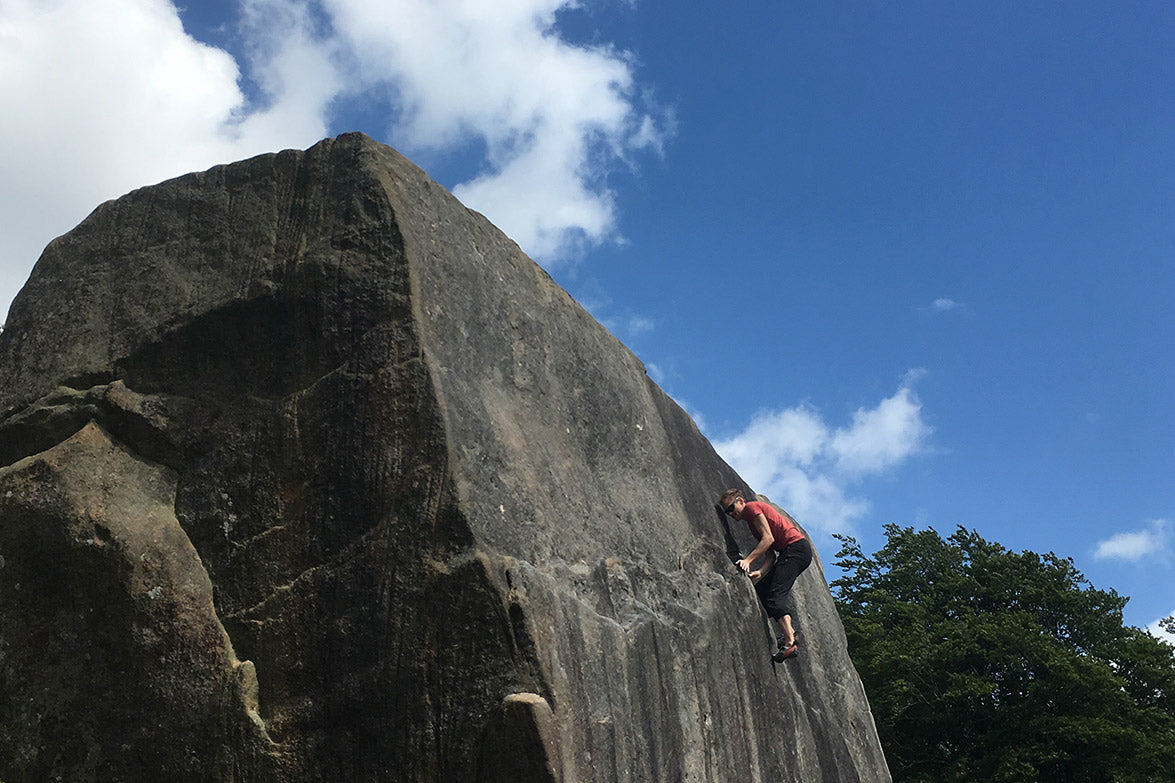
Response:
column 782, row 655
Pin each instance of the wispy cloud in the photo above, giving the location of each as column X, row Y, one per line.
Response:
column 944, row 304
column 1135, row 545
column 100, row 98
column 796, row 458
column 627, row 327
column 639, row 324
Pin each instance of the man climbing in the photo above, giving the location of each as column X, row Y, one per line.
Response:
column 785, row 552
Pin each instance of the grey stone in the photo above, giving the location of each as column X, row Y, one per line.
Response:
column 521, row 742
column 311, row 474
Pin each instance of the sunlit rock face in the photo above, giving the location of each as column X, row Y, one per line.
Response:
column 309, row 473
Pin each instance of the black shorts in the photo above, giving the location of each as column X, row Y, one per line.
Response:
column 774, row 589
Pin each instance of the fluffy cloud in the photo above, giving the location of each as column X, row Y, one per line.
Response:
column 795, row 458
column 1135, row 545
column 295, row 71
column 774, row 442
column 881, row 437
column 101, row 96
column 545, row 110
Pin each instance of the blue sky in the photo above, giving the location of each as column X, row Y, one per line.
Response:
column 903, row 262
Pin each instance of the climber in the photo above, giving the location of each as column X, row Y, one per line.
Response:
column 785, row 554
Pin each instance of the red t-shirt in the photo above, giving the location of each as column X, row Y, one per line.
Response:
column 783, row 531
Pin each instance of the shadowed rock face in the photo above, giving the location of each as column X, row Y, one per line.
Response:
column 309, row 473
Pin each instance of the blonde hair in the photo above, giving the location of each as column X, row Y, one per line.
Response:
column 728, row 497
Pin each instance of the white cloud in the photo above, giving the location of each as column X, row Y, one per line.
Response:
column 881, row 437
column 775, row 441
column 945, row 304
column 102, row 96
column 639, row 324
column 295, row 70
column 1162, row 633
column 625, row 327
column 794, row 457
column 692, row 412
column 1136, row 545
column 547, row 111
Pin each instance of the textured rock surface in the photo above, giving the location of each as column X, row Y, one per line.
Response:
column 311, row 474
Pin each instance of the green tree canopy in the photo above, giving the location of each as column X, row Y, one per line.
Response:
column 983, row 664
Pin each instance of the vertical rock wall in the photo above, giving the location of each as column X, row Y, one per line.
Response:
column 411, row 513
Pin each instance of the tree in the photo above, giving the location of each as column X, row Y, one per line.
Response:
column 983, row 664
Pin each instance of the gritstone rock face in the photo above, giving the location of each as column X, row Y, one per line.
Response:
column 310, row 474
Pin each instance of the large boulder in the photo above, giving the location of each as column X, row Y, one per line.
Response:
column 309, row 473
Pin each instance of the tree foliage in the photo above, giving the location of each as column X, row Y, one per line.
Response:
column 983, row 664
